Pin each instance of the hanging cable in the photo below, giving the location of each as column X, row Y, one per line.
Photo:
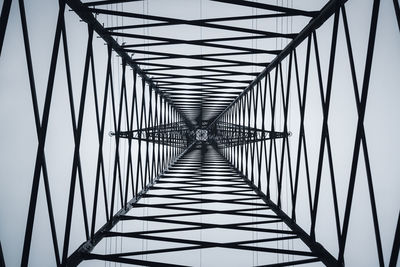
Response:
column 276, row 69
column 117, row 226
column 286, row 242
column 125, row 153
column 253, row 70
column 201, row 124
column 109, row 155
column 124, row 169
column 290, row 105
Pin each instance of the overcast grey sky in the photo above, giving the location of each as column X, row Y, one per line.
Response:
column 18, row 141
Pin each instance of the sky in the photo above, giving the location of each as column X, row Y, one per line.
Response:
column 18, row 141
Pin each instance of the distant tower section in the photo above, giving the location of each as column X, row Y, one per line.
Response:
column 201, row 135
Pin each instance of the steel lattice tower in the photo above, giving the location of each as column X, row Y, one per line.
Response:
column 206, row 133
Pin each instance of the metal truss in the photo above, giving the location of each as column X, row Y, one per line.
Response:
column 209, row 122
column 213, row 86
column 228, row 134
column 252, row 158
column 173, row 134
column 83, row 252
column 151, row 111
column 197, row 170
